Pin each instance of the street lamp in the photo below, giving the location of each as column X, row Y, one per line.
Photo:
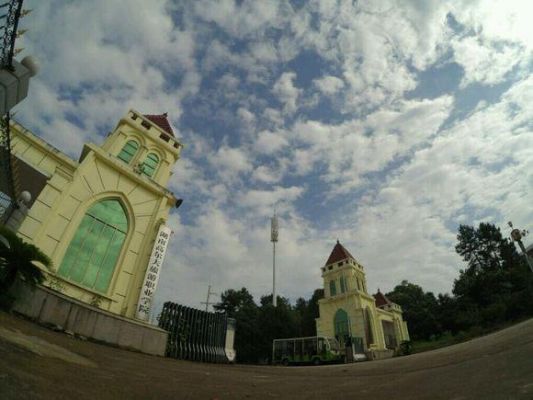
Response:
column 517, row 235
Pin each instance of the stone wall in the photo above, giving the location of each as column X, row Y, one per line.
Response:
column 53, row 308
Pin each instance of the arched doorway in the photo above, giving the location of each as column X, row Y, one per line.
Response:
column 93, row 252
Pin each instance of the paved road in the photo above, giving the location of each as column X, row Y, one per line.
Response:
column 36, row 363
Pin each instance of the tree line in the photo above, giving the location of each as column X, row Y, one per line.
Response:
column 494, row 287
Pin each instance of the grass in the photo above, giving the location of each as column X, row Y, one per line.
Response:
column 447, row 339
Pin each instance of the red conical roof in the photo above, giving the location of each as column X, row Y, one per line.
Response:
column 381, row 299
column 161, row 121
column 338, row 253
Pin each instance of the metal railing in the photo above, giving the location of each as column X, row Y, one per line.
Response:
column 10, row 13
column 194, row 334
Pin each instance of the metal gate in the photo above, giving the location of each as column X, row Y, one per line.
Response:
column 196, row 335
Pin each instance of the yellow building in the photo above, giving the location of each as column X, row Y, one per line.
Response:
column 349, row 313
column 97, row 218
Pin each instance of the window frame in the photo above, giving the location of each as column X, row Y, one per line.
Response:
column 94, row 251
column 124, row 150
column 343, row 285
column 154, row 167
column 333, row 285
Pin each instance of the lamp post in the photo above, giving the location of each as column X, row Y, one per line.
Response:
column 517, row 235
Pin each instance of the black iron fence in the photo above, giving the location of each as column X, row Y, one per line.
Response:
column 196, row 335
column 10, row 13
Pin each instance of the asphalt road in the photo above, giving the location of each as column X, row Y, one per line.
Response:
column 37, row 363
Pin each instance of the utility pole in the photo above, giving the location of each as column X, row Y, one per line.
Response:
column 517, row 235
column 206, row 302
column 274, row 239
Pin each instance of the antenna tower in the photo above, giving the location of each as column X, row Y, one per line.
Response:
column 274, row 238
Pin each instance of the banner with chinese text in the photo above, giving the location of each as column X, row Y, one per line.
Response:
column 152, row 273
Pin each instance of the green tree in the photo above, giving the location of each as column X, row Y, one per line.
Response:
column 17, row 261
column 300, row 312
column 276, row 322
column 419, row 309
column 496, row 283
column 447, row 313
column 309, row 313
column 232, row 301
column 239, row 304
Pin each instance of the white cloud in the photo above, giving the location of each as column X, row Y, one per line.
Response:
column 329, row 85
column 99, row 64
column 286, row 91
column 230, row 162
column 264, row 201
column 270, row 142
column 246, row 117
column 349, row 153
column 498, row 20
column 266, row 175
column 484, row 63
column 481, row 163
column 251, row 19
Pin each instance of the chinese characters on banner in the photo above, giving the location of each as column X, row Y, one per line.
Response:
column 152, row 273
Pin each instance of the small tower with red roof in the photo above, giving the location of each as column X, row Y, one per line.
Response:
column 145, row 143
column 371, row 325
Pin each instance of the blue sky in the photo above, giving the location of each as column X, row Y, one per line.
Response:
column 385, row 124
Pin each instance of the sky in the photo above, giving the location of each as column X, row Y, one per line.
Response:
column 383, row 124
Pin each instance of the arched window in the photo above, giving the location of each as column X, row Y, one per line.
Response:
column 340, row 323
column 128, row 151
column 94, row 250
column 332, row 288
column 150, row 164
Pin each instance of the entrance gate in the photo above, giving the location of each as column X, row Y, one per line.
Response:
column 197, row 335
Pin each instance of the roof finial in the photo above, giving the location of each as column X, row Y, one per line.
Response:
column 338, row 241
column 165, row 114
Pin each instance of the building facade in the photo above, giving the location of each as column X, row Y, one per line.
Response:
column 97, row 218
column 350, row 314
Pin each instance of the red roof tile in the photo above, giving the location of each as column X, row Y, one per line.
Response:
column 161, row 121
column 381, row 299
column 338, row 253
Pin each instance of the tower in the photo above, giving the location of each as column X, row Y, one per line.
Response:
column 98, row 218
column 373, row 325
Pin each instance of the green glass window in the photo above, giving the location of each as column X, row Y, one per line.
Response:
column 128, row 151
column 94, row 250
column 332, row 288
column 340, row 323
column 150, row 164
